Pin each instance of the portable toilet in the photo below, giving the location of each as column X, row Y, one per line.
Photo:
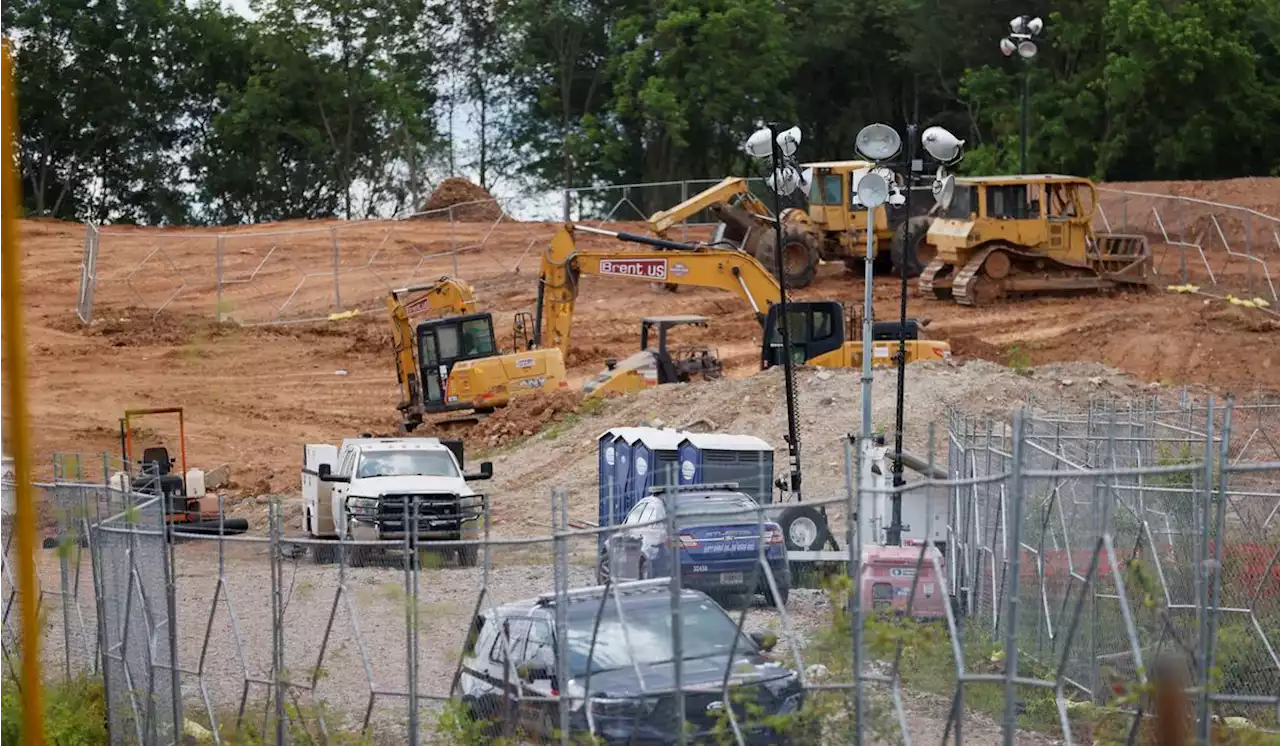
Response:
column 615, row 468
column 708, row 458
column 654, row 461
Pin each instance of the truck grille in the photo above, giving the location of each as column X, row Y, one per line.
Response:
column 433, row 512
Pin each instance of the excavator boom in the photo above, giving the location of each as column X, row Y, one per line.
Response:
column 728, row 188
column 681, row 264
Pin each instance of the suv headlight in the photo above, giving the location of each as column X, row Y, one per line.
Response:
column 362, row 507
column 633, row 707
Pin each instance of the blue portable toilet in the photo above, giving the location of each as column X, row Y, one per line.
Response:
column 707, row 458
column 654, row 460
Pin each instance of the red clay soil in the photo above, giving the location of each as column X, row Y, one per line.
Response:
column 469, row 202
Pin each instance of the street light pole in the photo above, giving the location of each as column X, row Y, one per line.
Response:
column 1023, row 30
column 793, row 435
column 894, row 535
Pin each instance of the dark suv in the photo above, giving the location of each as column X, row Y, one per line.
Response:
column 620, row 676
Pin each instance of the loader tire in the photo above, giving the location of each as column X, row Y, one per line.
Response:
column 800, row 256
column 912, row 260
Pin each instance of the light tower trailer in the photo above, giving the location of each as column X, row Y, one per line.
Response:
column 366, row 488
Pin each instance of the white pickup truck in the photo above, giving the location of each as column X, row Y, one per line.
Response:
column 364, row 489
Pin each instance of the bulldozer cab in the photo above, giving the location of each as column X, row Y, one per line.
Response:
column 815, row 327
column 1045, row 212
column 444, row 342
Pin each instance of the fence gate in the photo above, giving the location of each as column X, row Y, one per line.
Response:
column 88, row 274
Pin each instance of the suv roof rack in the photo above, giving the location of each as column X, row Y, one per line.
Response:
column 547, row 599
column 704, row 487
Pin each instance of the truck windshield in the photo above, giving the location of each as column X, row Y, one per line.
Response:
column 407, row 463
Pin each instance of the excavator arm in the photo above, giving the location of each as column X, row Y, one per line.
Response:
column 728, row 188
column 446, row 294
column 680, row 264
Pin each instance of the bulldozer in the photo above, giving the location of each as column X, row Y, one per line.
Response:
column 652, row 367
column 1001, row 236
column 428, row 355
column 834, row 228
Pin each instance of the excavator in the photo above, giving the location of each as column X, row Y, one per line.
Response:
column 817, row 328
column 833, row 228
column 1009, row 235
column 428, row 355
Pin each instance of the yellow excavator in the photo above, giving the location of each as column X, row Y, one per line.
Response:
column 1010, row 235
column 817, row 328
column 834, row 228
column 429, row 356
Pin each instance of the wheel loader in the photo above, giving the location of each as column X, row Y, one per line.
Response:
column 834, row 228
column 1001, row 236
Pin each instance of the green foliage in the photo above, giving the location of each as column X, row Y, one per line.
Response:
column 75, row 712
column 1019, row 360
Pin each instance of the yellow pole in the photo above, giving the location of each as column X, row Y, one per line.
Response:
column 15, row 385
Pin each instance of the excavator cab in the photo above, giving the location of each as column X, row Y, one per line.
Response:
column 816, row 328
column 442, row 343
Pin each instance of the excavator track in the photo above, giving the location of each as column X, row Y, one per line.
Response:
column 933, row 279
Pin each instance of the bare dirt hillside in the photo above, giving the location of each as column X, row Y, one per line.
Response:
column 254, row 394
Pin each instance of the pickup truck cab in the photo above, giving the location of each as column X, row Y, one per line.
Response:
column 376, row 489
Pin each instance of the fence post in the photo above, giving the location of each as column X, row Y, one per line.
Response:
column 1203, row 726
column 559, row 521
column 337, row 268
column 219, row 246
column 277, row 617
column 1220, row 537
column 1011, row 592
column 853, row 540
column 677, row 623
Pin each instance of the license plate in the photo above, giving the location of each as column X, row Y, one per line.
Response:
column 731, row 578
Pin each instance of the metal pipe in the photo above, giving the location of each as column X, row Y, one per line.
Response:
column 868, row 279
column 1022, row 139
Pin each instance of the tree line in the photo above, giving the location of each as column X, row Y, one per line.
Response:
column 164, row 111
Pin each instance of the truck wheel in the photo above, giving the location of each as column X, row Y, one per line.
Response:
column 913, row 259
column 784, row 592
column 803, row 528
column 467, row 556
column 323, row 554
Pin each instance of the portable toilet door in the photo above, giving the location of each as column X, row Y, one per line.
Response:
column 621, row 480
column 690, row 463
column 642, row 470
column 608, row 479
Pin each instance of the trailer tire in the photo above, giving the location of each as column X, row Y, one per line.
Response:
column 322, row 554
column 467, row 556
column 803, row 529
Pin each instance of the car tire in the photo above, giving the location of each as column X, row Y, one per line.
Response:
column 602, row 569
column 803, row 520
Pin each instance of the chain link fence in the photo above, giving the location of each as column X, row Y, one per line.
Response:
column 1084, row 550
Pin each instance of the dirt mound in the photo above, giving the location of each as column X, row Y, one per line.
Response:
column 141, row 327
column 468, row 202
column 534, row 412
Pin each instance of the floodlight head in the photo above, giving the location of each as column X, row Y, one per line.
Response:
column 872, row 190
column 806, row 180
column 1007, row 47
column 1027, row 49
column 941, row 144
column 760, row 144
column 788, row 141
column 1035, row 26
column 897, row 198
column 878, row 142
column 784, row 180
column 1018, row 25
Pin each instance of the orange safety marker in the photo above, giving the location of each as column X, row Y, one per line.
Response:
column 15, row 387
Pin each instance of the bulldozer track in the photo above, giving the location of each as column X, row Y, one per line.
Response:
column 929, row 275
column 966, row 287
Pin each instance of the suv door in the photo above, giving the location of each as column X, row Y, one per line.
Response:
column 538, row 716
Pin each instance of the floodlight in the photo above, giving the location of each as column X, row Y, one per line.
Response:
column 941, row 144
column 1035, row 25
column 872, row 190
column 806, row 180
column 760, row 144
column 897, row 198
column 1007, row 47
column 878, row 142
column 1026, row 49
column 784, row 180
column 788, row 141
column 1017, row 25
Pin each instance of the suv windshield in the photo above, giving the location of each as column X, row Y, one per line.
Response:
column 407, row 463
column 707, row 631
